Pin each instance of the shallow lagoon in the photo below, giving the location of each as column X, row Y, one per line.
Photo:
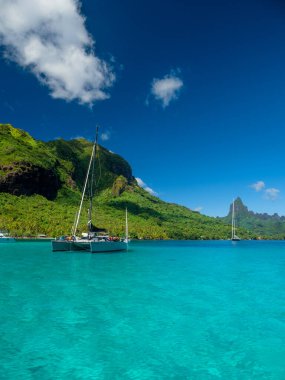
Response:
column 163, row 310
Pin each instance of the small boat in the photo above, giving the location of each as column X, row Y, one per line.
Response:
column 96, row 239
column 6, row 238
column 234, row 236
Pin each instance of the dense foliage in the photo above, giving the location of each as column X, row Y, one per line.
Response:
column 149, row 217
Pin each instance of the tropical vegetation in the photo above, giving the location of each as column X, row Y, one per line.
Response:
column 41, row 183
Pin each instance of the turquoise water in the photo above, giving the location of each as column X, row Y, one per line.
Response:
column 164, row 310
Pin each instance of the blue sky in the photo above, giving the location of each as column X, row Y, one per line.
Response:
column 196, row 91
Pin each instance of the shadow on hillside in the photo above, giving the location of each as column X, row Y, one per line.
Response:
column 135, row 209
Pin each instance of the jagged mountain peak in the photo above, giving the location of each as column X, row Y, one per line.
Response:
column 240, row 207
column 261, row 224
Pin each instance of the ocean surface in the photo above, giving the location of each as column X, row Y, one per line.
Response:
column 162, row 310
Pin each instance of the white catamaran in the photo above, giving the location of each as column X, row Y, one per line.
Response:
column 96, row 239
column 234, row 236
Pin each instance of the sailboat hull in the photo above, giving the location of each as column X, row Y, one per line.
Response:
column 89, row 246
column 108, row 246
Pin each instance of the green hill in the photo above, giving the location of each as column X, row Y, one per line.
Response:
column 40, row 189
column 272, row 226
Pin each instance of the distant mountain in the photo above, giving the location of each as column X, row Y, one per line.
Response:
column 40, row 189
column 259, row 224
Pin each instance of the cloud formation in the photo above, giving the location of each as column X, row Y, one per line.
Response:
column 258, row 186
column 105, row 136
column 50, row 39
column 272, row 194
column 166, row 89
column 143, row 185
column 198, row 209
column 140, row 182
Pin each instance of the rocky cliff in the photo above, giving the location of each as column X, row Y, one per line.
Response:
column 28, row 166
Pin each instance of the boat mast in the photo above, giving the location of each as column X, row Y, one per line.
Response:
column 84, row 188
column 233, row 220
column 127, row 227
column 91, row 184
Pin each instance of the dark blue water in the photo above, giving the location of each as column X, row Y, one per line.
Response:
column 163, row 310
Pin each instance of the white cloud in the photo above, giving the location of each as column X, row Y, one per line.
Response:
column 49, row 38
column 140, row 182
column 198, row 209
column 105, row 136
column 149, row 190
column 258, row 186
column 78, row 137
column 272, row 193
column 143, row 185
column 166, row 89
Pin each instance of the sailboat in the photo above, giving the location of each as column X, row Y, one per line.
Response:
column 234, row 236
column 96, row 239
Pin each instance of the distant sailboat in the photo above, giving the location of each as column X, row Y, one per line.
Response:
column 234, row 236
column 95, row 240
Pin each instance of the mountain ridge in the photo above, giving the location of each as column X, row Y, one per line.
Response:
column 261, row 224
column 32, row 203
